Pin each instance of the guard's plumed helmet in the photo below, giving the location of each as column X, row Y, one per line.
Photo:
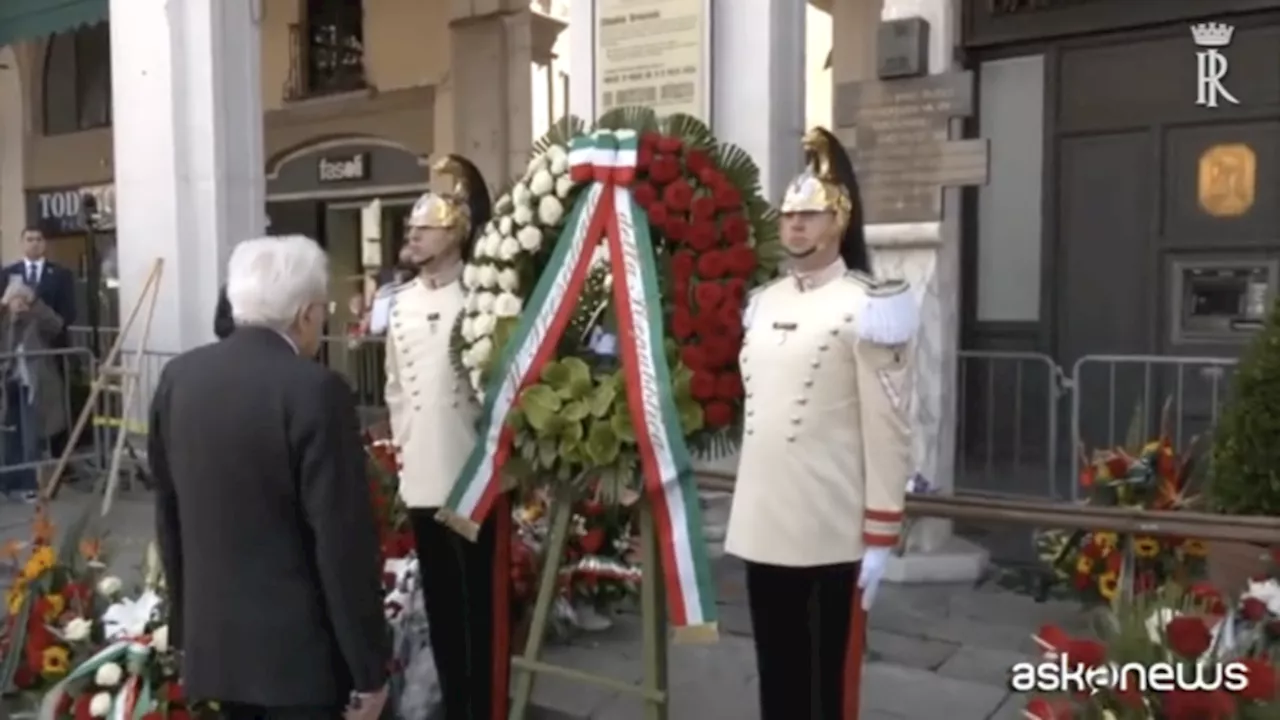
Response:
column 828, row 184
column 465, row 208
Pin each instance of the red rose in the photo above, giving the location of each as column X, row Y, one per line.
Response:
column 179, row 714
column 658, row 215
column 727, row 197
column 680, row 292
column 712, row 265
column 678, row 196
column 1044, row 709
column 668, row 145
column 1262, row 678
column 708, row 295
column 592, row 541
column 703, row 385
column 683, row 264
column 675, row 229
column 705, row 326
column 1082, row 581
column 719, row 350
column 729, row 386
column 645, row 194
column 681, row 324
column 735, row 290
column 1188, row 636
column 703, row 208
column 1253, row 609
column 1130, row 696
column 649, row 140
column 693, row 357
column 154, row 715
column 730, row 316
column 1192, row 705
column 717, row 414
column 695, row 161
column 644, row 157
column 1089, row 653
column 736, row 230
column 702, row 236
column 78, row 595
column 740, row 261
column 24, row 678
column 711, row 177
column 1208, row 597
column 663, row 169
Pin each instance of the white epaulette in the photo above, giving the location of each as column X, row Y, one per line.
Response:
column 890, row 315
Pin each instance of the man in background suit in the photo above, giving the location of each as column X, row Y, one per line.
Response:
column 263, row 510
column 54, row 284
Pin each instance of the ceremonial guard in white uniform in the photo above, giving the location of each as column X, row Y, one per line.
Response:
column 433, row 417
column 817, row 506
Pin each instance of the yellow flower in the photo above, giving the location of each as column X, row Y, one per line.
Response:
column 15, row 596
column 1195, row 548
column 1108, row 584
column 1084, row 565
column 55, row 661
column 1106, row 540
column 56, row 604
column 1146, row 547
column 41, row 560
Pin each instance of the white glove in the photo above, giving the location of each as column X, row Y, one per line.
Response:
column 874, row 562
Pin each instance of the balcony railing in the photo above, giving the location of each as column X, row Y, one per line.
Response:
column 325, row 58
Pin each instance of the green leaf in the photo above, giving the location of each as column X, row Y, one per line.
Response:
column 603, row 444
column 516, row 419
column 739, row 169
column 556, row 376
column 579, row 377
column 640, row 119
column 602, row 397
column 548, row 451
column 572, row 431
column 502, row 331
column 620, row 421
column 692, row 131
column 575, row 410
column 519, row 469
column 691, row 420
column 17, row 640
column 561, row 133
column 540, row 404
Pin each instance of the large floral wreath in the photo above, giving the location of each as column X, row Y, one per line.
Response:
column 604, row 316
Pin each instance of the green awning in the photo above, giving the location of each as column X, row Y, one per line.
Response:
column 30, row 19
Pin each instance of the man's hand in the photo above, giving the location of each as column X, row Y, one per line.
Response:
column 874, row 561
column 366, row 706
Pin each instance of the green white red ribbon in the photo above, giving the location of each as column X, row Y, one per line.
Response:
column 605, row 211
column 131, row 702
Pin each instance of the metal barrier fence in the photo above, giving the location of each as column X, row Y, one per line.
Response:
column 40, row 397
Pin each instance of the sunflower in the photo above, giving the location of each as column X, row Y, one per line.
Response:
column 54, row 605
column 1084, row 565
column 1195, row 548
column 55, row 661
column 1106, row 540
column 1108, row 584
column 14, row 598
column 1147, row 547
column 42, row 560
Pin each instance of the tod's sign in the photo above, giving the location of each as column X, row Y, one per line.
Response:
column 345, row 168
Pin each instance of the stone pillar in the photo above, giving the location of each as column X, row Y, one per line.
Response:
column 187, row 99
column 13, row 206
column 491, row 49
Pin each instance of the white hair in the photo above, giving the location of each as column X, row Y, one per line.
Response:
column 271, row 279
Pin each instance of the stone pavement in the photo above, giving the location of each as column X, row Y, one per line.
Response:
column 940, row 650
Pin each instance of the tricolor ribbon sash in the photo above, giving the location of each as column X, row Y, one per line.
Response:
column 603, row 212
column 131, row 702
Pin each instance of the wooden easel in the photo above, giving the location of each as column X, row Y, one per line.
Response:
column 526, row 666
column 117, row 376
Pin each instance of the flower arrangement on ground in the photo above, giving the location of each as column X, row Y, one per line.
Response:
column 1203, row 643
column 1091, row 563
column 392, row 518
column 604, row 321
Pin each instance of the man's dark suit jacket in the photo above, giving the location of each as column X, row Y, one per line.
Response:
column 57, row 289
column 265, row 527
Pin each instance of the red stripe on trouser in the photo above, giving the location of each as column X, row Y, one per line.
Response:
column 501, row 608
column 854, row 652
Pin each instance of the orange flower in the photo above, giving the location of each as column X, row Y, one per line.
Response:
column 91, row 549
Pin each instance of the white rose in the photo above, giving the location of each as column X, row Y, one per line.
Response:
column 558, row 160
column 564, row 184
column 542, row 184
column 484, row 303
column 523, row 215
column 469, row 275
column 160, row 639
column 507, row 305
column 487, row 276
column 504, row 225
column 509, row 280
column 509, row 250
column 110, row 586
column 600, row 256
column 1268, row 592
column 489, row 246
column 472, row 304
column 550, row 211
column 535, row 165
column 521, row 196
column 108, row 675
column 475, row 380
column 77, row 629
column 468, row 329
column 485, row 324
column 530, row 238
column 100, row 705
column 481, row 351
column 503, row 205
column 469, row 360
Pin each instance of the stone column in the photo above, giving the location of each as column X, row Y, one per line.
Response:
column 491, row 49
column 187, row 99
column 13, row 205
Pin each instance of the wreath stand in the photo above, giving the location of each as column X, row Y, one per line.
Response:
column 652, row 690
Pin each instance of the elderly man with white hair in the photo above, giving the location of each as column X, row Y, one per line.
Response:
column 263, row 508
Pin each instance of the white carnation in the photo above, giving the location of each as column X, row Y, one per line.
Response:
column 469, row 359
column 550, row 211
column 491, row 245
column 504, row 225
column 523, row 215
column 485, row 323
column 558, row 160
column 600, row 256
column 509, row 250
column 521, row 196
column 110, row 586
column 542, row 184
column 77, row 629
column 475, row 380
column 487, row 276
column 507, row 305
column 100, row 705
column 481, row 351
column 468, row 329
column 160, row 639
column 472, row 305
column 484, row 302
column 509, row 280
column 530, row 238
column 564, row 184
column 535, row 165
column 503, row 205
column 108, row 675
column 469, row 276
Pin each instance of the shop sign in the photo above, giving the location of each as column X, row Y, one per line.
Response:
column 60, row 211
column 345, row 168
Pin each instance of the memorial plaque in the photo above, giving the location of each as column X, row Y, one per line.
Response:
column 904, row 111
column 904, row 183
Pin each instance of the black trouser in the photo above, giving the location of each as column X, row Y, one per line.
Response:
column 801, row 618
column 457, row 586
column 239, row 711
